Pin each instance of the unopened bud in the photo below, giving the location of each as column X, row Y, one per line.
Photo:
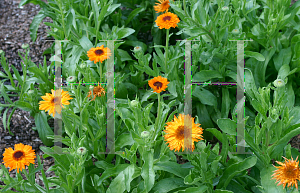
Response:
column 195, row 47
column 145, row 134
column 71, row 79
column 134, row 103
column 137, row 49
column 25, row 46
column 278, row 83
column 30, row 92
column 81, row 151
column 235, row 31
column 55, row 30
column 91, row 87
column 1, row 51
column 82, row 65
column 225, row 8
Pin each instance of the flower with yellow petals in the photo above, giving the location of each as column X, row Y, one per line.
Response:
column 175, row 132
column 158, row 84
column 288, row 173
column 162, row 6
column 53, row 101
column 97, row 91
column 167, row 20
column 98, row 54
column 18, row 158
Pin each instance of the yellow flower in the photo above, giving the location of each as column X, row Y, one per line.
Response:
column 162, row 6
column 158, row 84
column 167, row 20
column 287, row 173
column 97, row 91
column 51, row 101
column 175, row 132
column 98, row 54
column 18, row 158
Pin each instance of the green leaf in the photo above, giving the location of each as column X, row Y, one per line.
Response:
column 205, row 96
column 85, row 43
column 3, row 93
column 200, row 189
column 173, row 168
column 43, row 128
column 24, row 106
column 250, row 86
column 235, row 169
column 122, row 181
column 109, row 172
column 228, row 126
column 124, row 55
column 168, row 184
column 35, row 24
column 206, row 75
column 284, row 57
column 124, row 32
column 255, row 55
column 148, row 173
column 269, row 184
column 283, row 71
column 133, row 14
column 123, row 140
column 295, row 112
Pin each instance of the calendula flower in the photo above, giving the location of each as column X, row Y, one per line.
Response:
column 175, row 132
column 158, row 84
column 98, row 54
column 167, row 20
column 287, row 173
column 162, row 6
column 97, row 91
column 18, row 158
column 51, row 101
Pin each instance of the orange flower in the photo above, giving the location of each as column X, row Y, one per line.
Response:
column 98, row 54
column 162, row 6
column 167, row 20
column 175, row 132
column 51, row 101
column 158, row 84
column 287, row 173
column 18, row 158
column 97, row 91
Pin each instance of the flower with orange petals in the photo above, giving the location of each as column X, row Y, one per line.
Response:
column 98, row 54
column 167, row 20
column 158, row 84
column 288, row 173
column 18, row 158
column 162, row 6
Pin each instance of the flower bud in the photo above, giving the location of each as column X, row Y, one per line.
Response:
column 25, row 46
column 81, row 151
column 55, row 30
column 278, row 83
column 195, row 47
column 137, row 49
column 225, row 8
column 91, row 87
column 83, row 65
column 145, row 134
column 134, row 103
column 1, row 51
column 71, row 79
column 30, row 92
column 235, row 31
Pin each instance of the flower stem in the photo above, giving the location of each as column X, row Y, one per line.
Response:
column 157, row 119
column 167, row 48
column 100, row 71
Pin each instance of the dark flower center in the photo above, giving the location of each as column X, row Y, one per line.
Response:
column 99, row 52
column 158, row 84
column 180, row 133
column 18, row 154
column 167, row 18
column 56, row 100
